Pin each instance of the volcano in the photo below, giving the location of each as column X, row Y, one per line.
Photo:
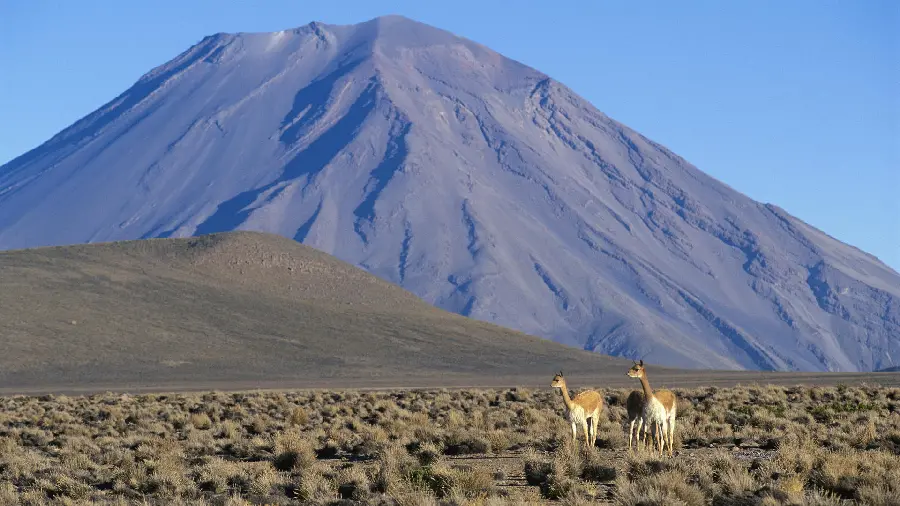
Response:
column 479, row 184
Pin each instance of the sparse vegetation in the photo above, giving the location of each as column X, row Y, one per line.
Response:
column 755, row 445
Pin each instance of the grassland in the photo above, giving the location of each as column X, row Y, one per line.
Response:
column 746, row 445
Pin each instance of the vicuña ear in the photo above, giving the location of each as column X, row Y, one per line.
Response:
column 642, row 362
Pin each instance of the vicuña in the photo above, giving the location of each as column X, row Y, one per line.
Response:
column 583, row 409
column 635, row 407
column 659, row 409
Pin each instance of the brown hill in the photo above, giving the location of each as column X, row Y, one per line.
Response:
column 240, row 309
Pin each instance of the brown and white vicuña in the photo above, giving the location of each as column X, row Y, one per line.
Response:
column 584, row 409
column 659, row 410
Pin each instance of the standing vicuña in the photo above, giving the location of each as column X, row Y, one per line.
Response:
column 583, row 409
column 659, row 409
column 635, row 406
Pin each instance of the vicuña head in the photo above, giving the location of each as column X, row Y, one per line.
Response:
column 558, row 381
column 637, row 370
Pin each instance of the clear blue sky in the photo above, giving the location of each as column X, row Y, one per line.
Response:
column 794, row 103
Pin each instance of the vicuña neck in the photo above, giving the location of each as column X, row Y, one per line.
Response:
column 648, row 392
column 565, row 394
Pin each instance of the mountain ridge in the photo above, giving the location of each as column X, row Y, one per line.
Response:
column 482, row 185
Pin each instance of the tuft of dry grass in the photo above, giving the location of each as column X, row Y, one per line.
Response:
column 759, row 445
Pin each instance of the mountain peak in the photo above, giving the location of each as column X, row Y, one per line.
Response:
column 388, row 33
column 385, row 21
column 394, row 26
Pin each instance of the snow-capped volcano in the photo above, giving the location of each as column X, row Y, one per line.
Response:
column 480, row 184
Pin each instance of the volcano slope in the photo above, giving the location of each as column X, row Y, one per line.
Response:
column 245, row 310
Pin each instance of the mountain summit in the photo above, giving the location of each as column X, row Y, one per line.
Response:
column 477, row 183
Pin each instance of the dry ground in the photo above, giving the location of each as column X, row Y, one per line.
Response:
column 747, row 445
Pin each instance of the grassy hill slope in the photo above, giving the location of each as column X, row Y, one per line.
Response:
column 244, row 309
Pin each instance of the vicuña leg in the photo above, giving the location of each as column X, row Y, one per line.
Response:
column 631, row 433
column 587, row 432
column 639, row 429
column 671, row 434
column 666, row 434
column 660, row 435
